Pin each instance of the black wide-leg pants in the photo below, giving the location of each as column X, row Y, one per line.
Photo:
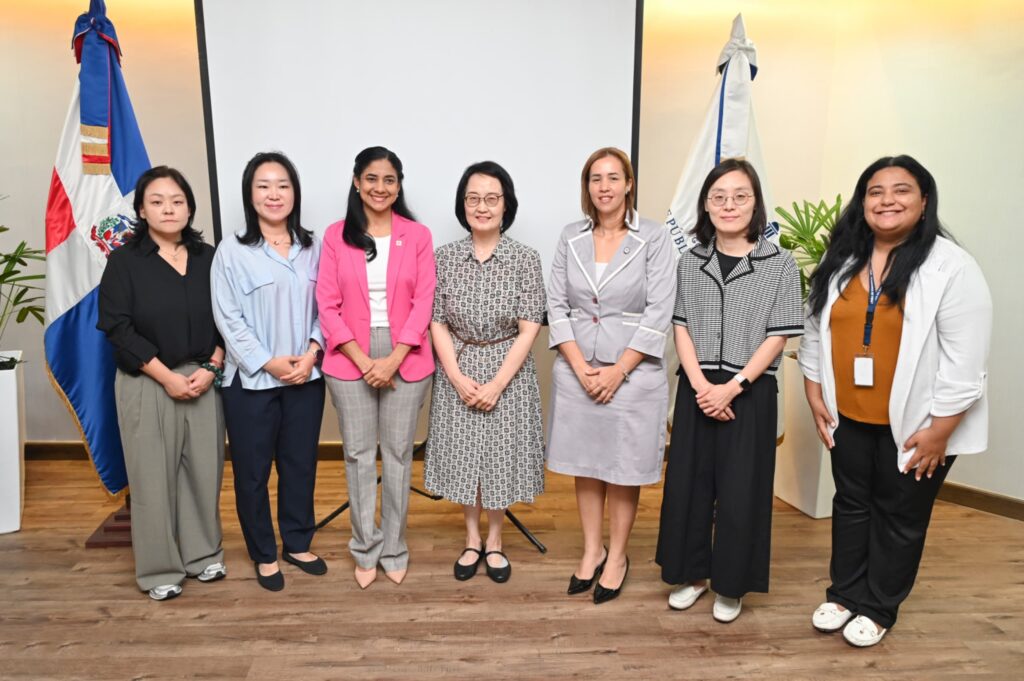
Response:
column 716, row 515
column 879, row 520
column 277, row 426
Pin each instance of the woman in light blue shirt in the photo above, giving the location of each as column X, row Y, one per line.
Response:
column 264, row 303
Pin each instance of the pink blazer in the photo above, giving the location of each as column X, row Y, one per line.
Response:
column 343, row 298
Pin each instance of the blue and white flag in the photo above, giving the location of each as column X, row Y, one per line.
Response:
column 728, row 132
column 88, row 214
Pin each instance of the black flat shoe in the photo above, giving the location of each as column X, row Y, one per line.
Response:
column 464, row 572
column 274, row 582
column 603, row 594
column 317, row 566
column 498, row 574
column 578, row 586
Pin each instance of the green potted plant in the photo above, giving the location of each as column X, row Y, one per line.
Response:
column 803, row 471
column 21, row 295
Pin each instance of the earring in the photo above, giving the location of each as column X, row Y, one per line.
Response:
column 357, row 190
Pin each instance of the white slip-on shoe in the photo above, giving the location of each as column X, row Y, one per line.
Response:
column 862, row 632
column 685, row 596
column 213, row 572
column 828, row 618
column 166, row 592
column 726, row 609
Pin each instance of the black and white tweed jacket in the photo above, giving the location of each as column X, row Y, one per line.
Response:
column 728, row 319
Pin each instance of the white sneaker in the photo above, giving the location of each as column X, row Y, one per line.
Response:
column 166, row 592
column 862, row 632
column 685, row 596
column 828, row 618
column 213, row 572
column 726, row 609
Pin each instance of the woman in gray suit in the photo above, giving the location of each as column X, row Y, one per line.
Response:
column 610, row 299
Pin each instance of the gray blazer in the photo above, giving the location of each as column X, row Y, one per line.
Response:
column 631, row 307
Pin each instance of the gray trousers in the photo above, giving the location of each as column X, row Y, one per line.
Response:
column 174, row 453
column 367, row 416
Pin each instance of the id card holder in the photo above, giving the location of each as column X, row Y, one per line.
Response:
column 864, row 371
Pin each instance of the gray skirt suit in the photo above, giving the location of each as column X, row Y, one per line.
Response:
column 622, row 442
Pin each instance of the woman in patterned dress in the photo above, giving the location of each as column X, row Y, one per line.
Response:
column 486, row 447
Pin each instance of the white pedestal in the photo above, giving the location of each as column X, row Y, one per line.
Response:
column 12, row 446
column 803, row 467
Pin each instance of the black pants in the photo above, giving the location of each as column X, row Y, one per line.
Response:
column 276, row 426
column 716, row 515
column 879, row 520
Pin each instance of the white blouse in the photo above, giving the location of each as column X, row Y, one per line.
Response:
column 377, row 282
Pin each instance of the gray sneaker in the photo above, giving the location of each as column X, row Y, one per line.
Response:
column 164, row 593
column 213, row 572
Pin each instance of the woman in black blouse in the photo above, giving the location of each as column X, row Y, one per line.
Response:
column 155, row 308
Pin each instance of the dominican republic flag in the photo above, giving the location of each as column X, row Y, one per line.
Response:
column 728, row 132
column 88, row 214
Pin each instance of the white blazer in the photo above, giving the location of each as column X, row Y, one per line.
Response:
column 941, row 367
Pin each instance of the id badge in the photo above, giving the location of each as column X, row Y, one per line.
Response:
column 864, row 371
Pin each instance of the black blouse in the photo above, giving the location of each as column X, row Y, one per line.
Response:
column 148, row 310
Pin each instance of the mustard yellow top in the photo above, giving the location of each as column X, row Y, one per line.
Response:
column 867, row 405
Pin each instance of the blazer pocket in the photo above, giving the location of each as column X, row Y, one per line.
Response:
column 250, row 281
column 631, row 318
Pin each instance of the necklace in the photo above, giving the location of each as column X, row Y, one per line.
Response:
column 173, row 254
column 283, row 239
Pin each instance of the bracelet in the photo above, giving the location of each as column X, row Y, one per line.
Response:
column 218, row 373
column 625, row 375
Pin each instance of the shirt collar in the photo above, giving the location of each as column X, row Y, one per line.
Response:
column 146, row 244
column 499, row 252
column 632, row 222
column 762, row 249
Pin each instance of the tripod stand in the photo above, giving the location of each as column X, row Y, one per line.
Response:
column 419, row 449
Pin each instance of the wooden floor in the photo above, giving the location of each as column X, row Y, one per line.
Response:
column 71, row 613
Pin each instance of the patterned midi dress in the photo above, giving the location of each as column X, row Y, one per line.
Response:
column 501, row 452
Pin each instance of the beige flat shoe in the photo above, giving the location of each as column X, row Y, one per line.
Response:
column 396, row 576
column 365, row 578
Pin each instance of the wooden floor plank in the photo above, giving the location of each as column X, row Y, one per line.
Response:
column 71, row 613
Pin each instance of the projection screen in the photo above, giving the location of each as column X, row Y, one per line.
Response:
column 535, row 85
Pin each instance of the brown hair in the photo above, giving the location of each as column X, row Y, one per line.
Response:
column 589, row 209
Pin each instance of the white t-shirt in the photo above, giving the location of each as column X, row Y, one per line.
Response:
column 599, row 268
column 377, row 282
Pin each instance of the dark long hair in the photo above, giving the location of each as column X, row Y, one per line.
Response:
column 704, row 229
column 252, row 234
column 354, row 233
column 508, row 193
column 191, row 238
column 852, row 240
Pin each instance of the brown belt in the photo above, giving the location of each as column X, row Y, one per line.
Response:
column 466, row 342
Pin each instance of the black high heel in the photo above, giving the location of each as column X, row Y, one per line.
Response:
column 578, row 586
column 603, row 594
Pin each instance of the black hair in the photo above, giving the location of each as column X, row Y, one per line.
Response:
column 704, row 229
column 191, row 238
column 852, row 240
column 354, row 233
column 508, row 191
column 253, row 235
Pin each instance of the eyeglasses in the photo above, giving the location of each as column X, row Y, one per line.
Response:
column 490, row 200
column 719, row 200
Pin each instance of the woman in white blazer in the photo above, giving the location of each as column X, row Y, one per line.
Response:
column 894, row 361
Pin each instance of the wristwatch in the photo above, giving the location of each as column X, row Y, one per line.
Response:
column 742, row 380
column 318, row 355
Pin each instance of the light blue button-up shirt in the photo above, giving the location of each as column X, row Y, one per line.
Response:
column 265, row 307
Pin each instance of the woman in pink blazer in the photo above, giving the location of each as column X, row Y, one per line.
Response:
column 375, row 291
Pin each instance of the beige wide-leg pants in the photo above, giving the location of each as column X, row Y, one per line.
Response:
column 174, row 453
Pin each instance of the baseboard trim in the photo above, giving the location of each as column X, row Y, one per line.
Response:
column 981, row 500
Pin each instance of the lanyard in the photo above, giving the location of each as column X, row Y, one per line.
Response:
column 873, row 295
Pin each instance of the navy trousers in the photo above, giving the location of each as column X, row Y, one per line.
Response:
column 279, row 426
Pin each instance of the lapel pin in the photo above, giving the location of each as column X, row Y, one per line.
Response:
column 398, row 243
column 626, row 250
